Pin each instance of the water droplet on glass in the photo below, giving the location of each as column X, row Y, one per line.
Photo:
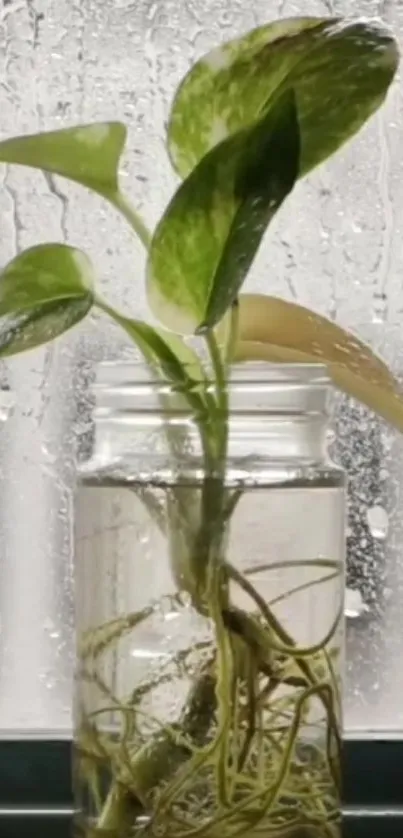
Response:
column 148, row 654
column 171, row 615
column 47, row 679
column 226, row 18
column 354, row 605
column 186, row 599
column 51, row 456
column 388, row 440
column 51, row 630
column 144, row 537
column 379, row 308
column 7, row 401
column 378, row 521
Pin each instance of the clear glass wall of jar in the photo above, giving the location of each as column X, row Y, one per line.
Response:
column 209, row 613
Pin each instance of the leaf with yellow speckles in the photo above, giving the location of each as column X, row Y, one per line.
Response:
column 87, row 154
column 340, row 71
column 43, row 292
column 207, row 239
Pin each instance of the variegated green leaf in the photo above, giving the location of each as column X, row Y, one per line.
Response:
column 41, row 325
column 87, row 154
column 340, row 70
column 43, row 292
column 166, row 353
column 207, row 239
column 161, row 349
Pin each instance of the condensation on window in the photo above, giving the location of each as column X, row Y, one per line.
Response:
column 336, row 246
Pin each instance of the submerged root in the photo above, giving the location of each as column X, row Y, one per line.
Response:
column 255, row 750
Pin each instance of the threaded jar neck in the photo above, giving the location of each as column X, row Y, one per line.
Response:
column 277, row 411
column 287, row 389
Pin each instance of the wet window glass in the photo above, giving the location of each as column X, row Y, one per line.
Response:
column 335, row 246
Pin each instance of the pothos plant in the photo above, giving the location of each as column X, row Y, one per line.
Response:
column 249, row 120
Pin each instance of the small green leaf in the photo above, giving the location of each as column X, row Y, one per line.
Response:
column 29, row 329
column 45, row 273
column 160, row 352
column 340, row 70
column 87, row 154
column 207, row 239
column 43, row 292
column 166, row 353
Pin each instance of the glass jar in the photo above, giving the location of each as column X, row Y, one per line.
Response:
column 209, row 612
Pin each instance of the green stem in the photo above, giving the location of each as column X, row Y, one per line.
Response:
column 233, row 333
column 219, row 370
column 220, row 374
column 195, row 552
column 119, row 813
column 132, row 216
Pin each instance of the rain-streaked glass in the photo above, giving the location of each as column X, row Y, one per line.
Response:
column 335, row 246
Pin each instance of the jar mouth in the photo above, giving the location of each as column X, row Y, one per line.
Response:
column 128, row 372
column 254, row 387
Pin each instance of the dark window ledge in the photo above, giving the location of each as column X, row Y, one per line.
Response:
column 56, row 823
column 35, row 789
column 372, row 822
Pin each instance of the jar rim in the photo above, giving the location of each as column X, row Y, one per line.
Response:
column 133, row 373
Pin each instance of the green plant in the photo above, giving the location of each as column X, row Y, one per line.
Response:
column 247, row 122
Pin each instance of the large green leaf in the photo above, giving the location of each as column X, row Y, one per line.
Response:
column 87, row 154
column 340, row 70
column 43, row 292
column 207, row 239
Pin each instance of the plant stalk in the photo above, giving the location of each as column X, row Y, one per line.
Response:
column 134, row 219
